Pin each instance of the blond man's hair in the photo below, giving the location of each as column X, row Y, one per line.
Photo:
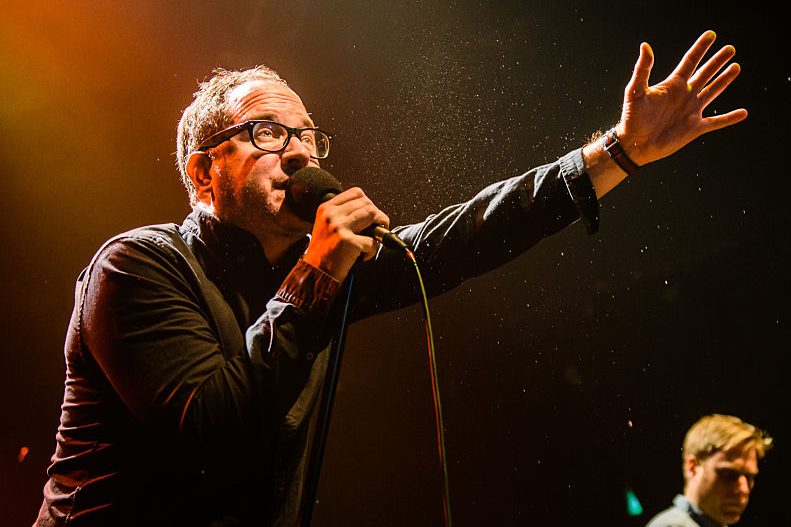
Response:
column 723, row 433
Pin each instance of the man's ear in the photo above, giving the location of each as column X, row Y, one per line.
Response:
column 691, row 467
column 199, row 171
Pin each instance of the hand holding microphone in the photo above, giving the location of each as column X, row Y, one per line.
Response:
column 345, row 223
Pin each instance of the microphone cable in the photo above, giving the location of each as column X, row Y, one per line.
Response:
column 307, row 189
column 438, row 419
column 325, row 407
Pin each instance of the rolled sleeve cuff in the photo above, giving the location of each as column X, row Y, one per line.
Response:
column 309, row 288
column 580, row 187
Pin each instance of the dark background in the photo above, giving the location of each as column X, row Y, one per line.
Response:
column 569, row 375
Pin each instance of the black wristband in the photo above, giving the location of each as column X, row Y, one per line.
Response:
column 614, row 148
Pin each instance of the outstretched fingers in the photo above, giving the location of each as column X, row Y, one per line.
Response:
column 694, row 55
column 710, row 68
column 723, row 80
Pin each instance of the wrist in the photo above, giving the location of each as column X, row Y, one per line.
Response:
column 614, row 146
column 633, row 146
column 309, row 288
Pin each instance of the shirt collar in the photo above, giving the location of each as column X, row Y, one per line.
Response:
column 233, row 252
column 681, row 502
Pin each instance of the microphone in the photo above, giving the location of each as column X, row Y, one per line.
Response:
column 309, row 187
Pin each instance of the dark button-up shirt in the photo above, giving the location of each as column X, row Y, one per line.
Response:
column 194, row 364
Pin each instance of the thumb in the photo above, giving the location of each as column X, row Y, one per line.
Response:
column 642, row 71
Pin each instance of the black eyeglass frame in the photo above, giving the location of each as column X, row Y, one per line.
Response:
column 224, row 135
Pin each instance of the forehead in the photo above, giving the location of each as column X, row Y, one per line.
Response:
column 266, row 100
column 744, row 460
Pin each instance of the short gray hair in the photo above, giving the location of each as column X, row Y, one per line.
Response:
column 207, row 114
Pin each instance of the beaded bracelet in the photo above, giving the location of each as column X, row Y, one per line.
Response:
column 614, row 148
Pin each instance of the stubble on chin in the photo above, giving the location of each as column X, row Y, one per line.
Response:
column 266, row 214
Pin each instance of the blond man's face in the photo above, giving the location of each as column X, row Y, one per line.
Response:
column 720, row 485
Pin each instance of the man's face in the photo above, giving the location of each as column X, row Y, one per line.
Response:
column 249, row 184
column 720, row 485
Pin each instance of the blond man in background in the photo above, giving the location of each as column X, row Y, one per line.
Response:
column 720, row 463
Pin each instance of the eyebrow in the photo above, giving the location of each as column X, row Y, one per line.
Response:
column 269, row 116
column 735, row 469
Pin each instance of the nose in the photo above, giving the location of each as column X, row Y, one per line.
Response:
column 296, row 155
column 744, row 485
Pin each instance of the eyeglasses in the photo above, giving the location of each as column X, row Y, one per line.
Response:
column 270, row 136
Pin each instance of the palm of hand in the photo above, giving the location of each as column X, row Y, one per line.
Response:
column 658, row 120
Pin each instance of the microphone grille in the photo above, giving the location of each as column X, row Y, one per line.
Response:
column 309, row 187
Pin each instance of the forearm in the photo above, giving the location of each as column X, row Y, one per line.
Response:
column 496, row 225
column 290, row 335
column 605, row 174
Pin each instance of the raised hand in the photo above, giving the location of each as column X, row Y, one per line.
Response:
column 658, row 120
